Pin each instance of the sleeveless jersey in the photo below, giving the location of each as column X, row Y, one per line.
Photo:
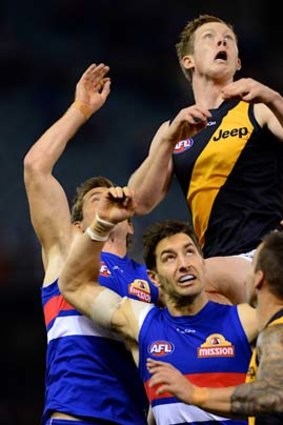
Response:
column 89, row 372
column 231, row 174
column 211, row 349
column 268, row 419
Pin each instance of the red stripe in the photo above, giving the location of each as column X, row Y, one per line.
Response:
column 53, row 306
column 212, row 380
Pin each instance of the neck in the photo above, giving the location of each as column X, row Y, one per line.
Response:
column 266, row 307
column 116, row 245
column 207, row 92
column 186, row 305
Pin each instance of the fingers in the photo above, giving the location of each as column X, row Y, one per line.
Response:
column 95, row 72
column 105, row 89
column 151, row 363
column 118, row 192
column 123, row 195
column 245, row 88
column 94, row 79
column 195, row 115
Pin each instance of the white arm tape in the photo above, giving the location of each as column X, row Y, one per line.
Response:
column 105, row 306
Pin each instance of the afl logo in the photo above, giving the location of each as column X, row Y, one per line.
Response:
column 104, row 271
column 183, row 146
column 161, row 348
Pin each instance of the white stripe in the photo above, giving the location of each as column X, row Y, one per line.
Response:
column 78, row 325
column 175, row 413
column 143, row 312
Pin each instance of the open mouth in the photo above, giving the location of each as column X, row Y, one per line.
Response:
column 222, row 55
column 186, row 279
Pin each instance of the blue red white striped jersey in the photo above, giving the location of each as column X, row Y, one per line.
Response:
column 211, row 349
column 90, row 373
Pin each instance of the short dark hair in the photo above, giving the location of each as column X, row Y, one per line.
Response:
column 161, row 230
column 270, row 261
column 82, row 190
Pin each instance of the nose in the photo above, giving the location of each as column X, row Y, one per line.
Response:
column 183, row 262
column 222, row 41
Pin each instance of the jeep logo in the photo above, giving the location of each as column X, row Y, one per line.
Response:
column 235, row 132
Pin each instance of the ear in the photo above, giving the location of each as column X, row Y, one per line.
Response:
column 239, row 64
column 259, row 279
column 188, row 62
column 153, row 277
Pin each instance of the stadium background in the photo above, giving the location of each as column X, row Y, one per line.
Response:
column 45, row 46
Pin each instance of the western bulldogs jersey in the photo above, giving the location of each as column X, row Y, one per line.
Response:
column 89, row 372
column 211, row 349
column 231, row 174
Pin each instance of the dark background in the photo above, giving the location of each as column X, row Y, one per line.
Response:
column 45, row 46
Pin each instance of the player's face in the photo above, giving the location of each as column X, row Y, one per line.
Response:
column 90, row 203
column 180, row 267
column 215, row 51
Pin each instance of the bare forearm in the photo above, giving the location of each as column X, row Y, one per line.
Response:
column 152, row 179
column 216, row 400
column 48, row 149
column 241, row 401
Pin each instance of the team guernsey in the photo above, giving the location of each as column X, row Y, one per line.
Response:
column 211, row 349
column 231, row 174
column 269, row 418
column 90, row 374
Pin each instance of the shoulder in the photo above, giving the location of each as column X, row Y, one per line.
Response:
column 262, row 114
column 248, row 319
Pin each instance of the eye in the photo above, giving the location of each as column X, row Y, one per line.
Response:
column 191, row 251
column 229, row 37
column 208, row 35
column 168, row 258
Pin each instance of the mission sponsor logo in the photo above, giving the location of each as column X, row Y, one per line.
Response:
column 104, row 271
column 140, row 288
column 216, row 345
column 161, row 348
column 183, row 146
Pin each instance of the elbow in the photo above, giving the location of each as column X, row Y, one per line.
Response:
column 31, row 167
column 146, row 202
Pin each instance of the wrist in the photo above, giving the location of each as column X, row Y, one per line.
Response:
column 83, row 108
column 100, row 229
column 199, row 396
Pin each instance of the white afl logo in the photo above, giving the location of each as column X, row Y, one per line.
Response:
column 183, row 146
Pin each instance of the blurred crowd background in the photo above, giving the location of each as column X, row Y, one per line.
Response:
column 45, row 46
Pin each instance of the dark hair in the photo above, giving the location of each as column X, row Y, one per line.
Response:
column 161, row 230
column 82, row 190
column 185, row 45
column 270, row 261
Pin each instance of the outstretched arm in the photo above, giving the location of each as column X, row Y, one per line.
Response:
column 152, row 179
column 79, row 278
column 269, row 103
column 265, row 395
column 47, row 201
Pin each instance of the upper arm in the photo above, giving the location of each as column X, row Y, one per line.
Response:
column 265, row 116
column 126, row 319
column 49, row 209
column 152, row 178
column 270, row 349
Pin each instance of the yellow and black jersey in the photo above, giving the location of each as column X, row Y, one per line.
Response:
column 231, row 174
column 268, row 419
